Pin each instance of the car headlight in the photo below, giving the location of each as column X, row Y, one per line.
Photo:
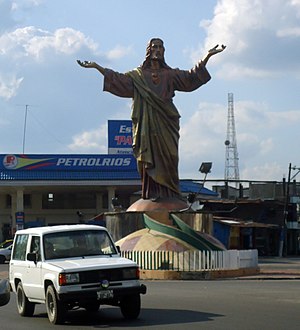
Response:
column 68, row 278
column 131, row 273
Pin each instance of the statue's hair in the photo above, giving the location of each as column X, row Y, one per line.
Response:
column 146, row 63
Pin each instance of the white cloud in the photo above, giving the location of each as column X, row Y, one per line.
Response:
column 236, row 70
column 6, row 20
column 33, row 42
column 264, row 172
column 257, row 34
column 66, row 40
column 9, row 86
column 118, row 52
column 257, row 133
column 289, row 32
column 25, row 4
column 295, row 5
column 202, row 132
column 266, row 146
column 26, row 45
column 93, row 141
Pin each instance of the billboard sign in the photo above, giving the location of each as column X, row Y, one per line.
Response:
column 67, row 162
column 119, row 137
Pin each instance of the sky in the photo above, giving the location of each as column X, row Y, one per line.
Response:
column 67, row 110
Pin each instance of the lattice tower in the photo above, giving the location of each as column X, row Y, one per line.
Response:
column 231, row 153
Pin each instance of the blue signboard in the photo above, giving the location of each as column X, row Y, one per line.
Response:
column 19, row 220
column 119, row 137
column 67, row 162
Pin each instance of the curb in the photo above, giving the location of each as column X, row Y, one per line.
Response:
column 200, row 275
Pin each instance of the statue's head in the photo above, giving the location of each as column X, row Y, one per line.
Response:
column 155, row 51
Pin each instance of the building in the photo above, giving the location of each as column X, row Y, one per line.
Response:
column 44, row 189
column 51, row 189
column 265, row 215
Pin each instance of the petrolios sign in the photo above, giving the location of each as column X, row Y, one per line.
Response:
column 67, row 162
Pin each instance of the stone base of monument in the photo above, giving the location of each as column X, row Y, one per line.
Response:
column 160, row 204
column 159, row 208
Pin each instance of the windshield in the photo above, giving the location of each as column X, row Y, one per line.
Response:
column 78, row 244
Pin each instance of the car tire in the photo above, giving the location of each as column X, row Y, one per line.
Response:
column 2, row 259
column 56, row 310
column 131, row 306
column 25, row 307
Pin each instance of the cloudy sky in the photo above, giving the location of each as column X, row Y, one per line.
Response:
column 67, row 111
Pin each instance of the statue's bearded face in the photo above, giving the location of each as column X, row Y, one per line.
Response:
column 157, row 50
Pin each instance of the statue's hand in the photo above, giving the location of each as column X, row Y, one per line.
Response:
column 216, row 50
column 86, row 64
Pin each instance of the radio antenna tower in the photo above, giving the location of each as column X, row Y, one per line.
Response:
column 231, row 153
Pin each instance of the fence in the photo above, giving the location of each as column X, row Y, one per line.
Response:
column 193, row 260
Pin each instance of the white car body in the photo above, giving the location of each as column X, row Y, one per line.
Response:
column 77, row 279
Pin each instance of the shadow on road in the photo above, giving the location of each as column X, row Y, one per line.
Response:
column 110, row 317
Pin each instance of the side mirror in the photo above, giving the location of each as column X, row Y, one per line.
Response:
column 4, row 292
column 32, row 257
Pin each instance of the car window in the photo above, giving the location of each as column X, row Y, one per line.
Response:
column 77, row 244
column 35, row 246
column 20, row 245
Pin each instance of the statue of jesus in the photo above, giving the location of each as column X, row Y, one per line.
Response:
column 155, row 119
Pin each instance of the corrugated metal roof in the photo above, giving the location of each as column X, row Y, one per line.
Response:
column 188, row 186
column 242, row 223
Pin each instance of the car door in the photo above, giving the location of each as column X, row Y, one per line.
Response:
column 17, row 264
column 33, row 283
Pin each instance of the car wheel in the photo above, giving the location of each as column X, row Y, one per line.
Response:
column 25, row 307
column 56, row 310
column 2, row 259
column 131, row 306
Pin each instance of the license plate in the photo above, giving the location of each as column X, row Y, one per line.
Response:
column 105, row 294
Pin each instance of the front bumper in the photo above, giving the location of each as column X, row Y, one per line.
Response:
column 91, row 295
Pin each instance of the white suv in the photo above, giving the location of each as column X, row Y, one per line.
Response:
column 72, row 266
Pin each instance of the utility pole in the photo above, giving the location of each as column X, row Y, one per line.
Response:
column 283, row 235
column 231, row 153
column 25, row 123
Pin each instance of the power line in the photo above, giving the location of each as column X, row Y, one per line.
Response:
column 39, row 122
column 46, row 129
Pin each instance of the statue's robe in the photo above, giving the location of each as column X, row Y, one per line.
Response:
column 155, row 121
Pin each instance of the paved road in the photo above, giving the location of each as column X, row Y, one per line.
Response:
column 245, row 304
column 218, row 304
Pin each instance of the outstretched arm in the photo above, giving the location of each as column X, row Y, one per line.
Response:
column 212, row 52
column 88, row 64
